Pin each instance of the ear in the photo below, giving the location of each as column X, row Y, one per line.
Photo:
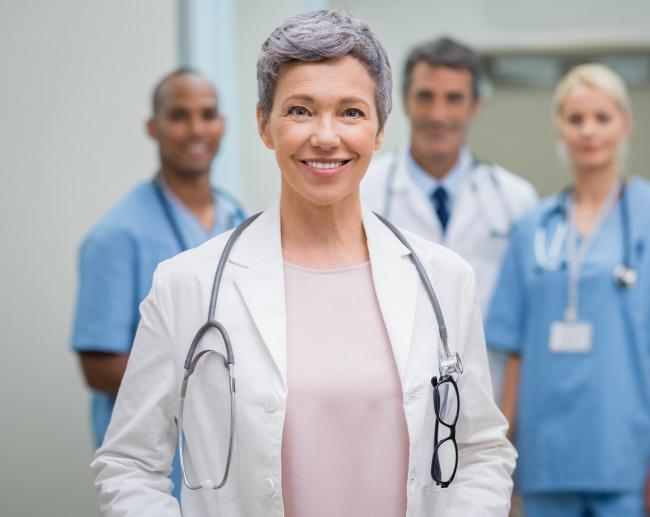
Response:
column 475, row 108
column 629, row 125
column 152, row 130
column 262, row 129
column 221, row 126
column 379, row 139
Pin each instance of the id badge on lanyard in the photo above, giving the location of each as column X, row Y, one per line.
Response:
column 571, row 336
column 574, row 335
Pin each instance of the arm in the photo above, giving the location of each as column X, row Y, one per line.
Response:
column 132, row 466
column 106, row 314
column 103, row 371
column 483, row 483
column 510, row 391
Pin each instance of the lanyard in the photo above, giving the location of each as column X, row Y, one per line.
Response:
column 577, row 256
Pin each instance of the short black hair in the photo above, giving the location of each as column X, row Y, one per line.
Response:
column 449, row 53
column 183, row 70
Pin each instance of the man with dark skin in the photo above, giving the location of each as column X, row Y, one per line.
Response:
column 175, row 211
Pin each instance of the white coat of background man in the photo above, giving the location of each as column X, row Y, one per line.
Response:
column 433, row 185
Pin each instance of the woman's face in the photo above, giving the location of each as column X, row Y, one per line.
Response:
column 324, row 129
column 593, row 127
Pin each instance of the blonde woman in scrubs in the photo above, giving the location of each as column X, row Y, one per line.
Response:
column 572, row 308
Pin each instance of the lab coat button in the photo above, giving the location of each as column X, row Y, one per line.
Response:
column 269, row 487
column 271, row 404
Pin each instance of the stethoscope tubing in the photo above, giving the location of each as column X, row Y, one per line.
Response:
column 448, row 364
column 474, row 168
column 624, row 273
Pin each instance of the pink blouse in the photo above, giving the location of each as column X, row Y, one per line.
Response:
column 345, row 441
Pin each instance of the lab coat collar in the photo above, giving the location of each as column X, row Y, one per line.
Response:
column 261, row 283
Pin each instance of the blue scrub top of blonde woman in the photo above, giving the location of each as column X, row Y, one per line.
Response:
column 583, row 417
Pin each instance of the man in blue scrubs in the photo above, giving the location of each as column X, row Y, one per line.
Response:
column 176, row 210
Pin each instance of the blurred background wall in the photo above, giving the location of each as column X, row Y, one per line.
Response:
column 76, row 81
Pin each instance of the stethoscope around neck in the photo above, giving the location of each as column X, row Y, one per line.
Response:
column 476, row 164
column 549, row 257
column 448, row 364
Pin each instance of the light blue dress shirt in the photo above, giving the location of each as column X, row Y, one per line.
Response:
column 583, row 419
column 452, row 181
column 116, row 264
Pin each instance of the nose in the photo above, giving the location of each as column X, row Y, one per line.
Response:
column 325, row 134
column 437, row 111
column 588, row 127
column 197, row 125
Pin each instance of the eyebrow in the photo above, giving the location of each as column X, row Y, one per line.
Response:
column 310, row 99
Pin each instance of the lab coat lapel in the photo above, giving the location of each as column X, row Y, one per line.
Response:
column 261, row 283
column 464, row 214
column 411, row 199
column 396, row 285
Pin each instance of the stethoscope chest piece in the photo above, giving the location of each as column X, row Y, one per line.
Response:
column 625, row 277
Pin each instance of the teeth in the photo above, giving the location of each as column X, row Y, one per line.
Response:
column 324, row 165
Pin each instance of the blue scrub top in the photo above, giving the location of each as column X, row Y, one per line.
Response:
column 116, row 265
column 583, row 419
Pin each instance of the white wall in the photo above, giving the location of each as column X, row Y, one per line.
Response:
column 76, row 79
column 554, row 25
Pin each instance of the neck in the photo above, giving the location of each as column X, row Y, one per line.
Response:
column 322, row 236
column 592, row 186
column 195, row 192
column 437, row 166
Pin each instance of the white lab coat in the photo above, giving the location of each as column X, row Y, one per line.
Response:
column 479, row 210
column 132, row 464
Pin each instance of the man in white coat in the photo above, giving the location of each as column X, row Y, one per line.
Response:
column 434, row 186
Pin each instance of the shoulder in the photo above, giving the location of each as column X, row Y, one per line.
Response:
column 177, row 270
column 639, row 188
column 231, row 203
column 527, row 225
column 514, row 186
column 638, row 193
column 129, row 215
column 441, row 260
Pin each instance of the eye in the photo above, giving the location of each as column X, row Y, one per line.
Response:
column 177, row 114
column 603, row 118
column 574, row 119
column 298, row 111
column 423, row 96
column 210, row 114
column 353, row 113
column 455, row 98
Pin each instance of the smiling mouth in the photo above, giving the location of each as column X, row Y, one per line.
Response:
column 325, row 165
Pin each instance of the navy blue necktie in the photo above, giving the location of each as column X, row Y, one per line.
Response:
column 440, row 200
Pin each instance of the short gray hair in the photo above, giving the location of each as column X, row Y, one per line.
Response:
column 318, row 36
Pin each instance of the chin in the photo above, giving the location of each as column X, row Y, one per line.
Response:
column 592, row 165
column 193, row 171
column 324, row 197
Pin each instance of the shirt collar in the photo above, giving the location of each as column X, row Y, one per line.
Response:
column 451, row 181
column 190, row 226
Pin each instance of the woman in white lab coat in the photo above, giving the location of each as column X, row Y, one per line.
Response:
column 334, row 338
